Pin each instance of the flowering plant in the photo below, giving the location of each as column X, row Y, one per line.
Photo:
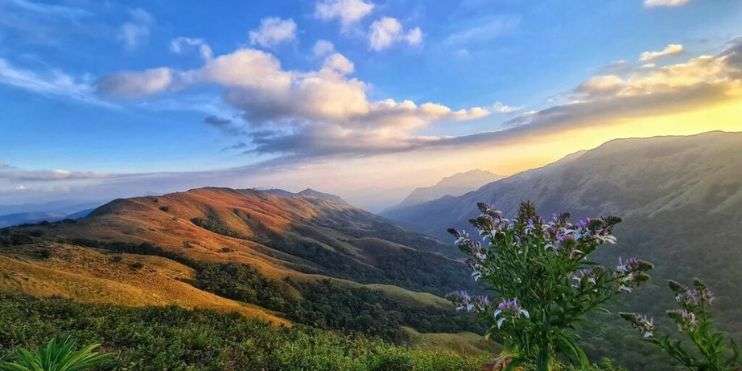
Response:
column 693, row 319
column 543, row 281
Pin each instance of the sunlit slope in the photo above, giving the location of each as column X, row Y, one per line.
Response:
column 142, row 251
column 89, row 276
column 277, row 232
column 680, row 198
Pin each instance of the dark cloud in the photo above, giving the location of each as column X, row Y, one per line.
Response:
column 227, row 126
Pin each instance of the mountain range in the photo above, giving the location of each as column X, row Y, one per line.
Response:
column 680, row 198
column 311, row 258
column 454, row 185
column 52, row 211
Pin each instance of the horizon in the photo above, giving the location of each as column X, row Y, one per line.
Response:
column 362, row 99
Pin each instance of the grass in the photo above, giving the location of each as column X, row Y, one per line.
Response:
column 155, row 338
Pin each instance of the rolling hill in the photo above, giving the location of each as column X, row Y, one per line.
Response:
column 680, row 198
column 284, row 257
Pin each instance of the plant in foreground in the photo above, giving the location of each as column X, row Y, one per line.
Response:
column 56, row 355
column 543, row 280
column 693, row 319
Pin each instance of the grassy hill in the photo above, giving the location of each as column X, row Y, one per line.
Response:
column 304, row 259
column 680, row 199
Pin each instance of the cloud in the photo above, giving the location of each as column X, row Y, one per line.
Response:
column 50, row 9
column 15, row 175
column 387, row 31
column 300, row 113
column 647, row 90
column 136, row 31
column 484, row 30
column 664, row 3
column 500, row 107
column 179, row 45
column 371, row 147
column 49, row 83
column 601, row 84
column 347, row 11
column 273, row 31
column 322, row 48
column 129, row 84
column 225, row 125
column 670, row 49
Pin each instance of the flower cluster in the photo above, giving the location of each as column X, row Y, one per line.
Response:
column 474, row 251
column 469, row 303
column 686, row 320
column 642, row 323
column 540, row 271
column 509, row 309
column 693, row 319
column 631, row 273
column 586, row 277
column 697, row 297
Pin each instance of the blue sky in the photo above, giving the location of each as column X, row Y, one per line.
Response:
column 82, row 102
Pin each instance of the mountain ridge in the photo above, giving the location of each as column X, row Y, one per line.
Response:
column 452, row 185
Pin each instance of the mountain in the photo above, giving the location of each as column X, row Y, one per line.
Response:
column 680, row 198
column 51, row 212
column 454, row 185
column 304, row 257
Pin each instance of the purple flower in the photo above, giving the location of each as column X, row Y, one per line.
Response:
column 685, row 319
column 644, row 324
column 694, row 297
column 629, row 265
column 469, row 303
column 584, row 276
column 509, row 308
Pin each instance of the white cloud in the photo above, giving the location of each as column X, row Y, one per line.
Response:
column 179, row 45
column 339, row 64
column 13, row 174
column 310, row 113
column 670, row 49
column 322, row 48
column 387, row 31
column 500, row 107
column 273, row 31
column 54, row 82
column 601, row 84
column 664, row 3
column 484, row 30
column 641, row 91
column 136, row 31
column 51, row 9
column 347, row 11
column 414, row 36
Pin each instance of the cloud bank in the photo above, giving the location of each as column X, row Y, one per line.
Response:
column 298, row 113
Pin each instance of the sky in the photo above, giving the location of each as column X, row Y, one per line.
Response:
column 366, row 99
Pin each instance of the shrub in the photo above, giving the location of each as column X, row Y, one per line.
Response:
column 544, row 281
column 56, row 355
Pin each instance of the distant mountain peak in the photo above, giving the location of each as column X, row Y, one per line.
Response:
column 453, row 185
column 311, row 193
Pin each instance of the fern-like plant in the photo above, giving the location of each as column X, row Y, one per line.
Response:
column 57, row 355
column 693, row 318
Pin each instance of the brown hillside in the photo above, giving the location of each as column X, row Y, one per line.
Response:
column 141, row 251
